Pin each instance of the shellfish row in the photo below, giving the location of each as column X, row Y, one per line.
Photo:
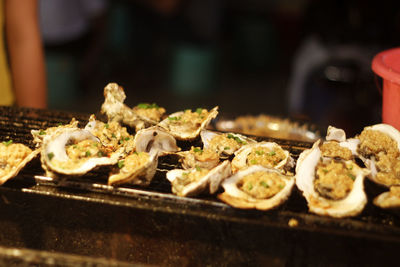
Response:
column 242, row 172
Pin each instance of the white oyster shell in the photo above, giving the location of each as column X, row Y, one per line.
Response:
column 223, row 148
column 132, row 171
column 210, row 181
column 55, row 158
column 38, row 135
column 156, row 141
column 389, row 199
column 240, row 161
column 186, row 130
column 14, row 157
column 239, row 199
column 351, row 205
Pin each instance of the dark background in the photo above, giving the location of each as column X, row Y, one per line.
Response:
column 300, row 59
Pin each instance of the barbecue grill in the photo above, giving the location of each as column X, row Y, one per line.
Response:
column 85, row 217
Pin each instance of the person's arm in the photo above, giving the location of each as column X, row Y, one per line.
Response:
column 25, row 52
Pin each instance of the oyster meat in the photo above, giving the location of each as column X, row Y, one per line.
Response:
column 137, row 168
column 331, row 186
column 13, row 157
column 195, row 181
column 267, row 154
column 257, row 187
column 74, row 151
column 187, row 125
column 112, row 135
column 379, row 148
column 225, row 144
column 198, row 157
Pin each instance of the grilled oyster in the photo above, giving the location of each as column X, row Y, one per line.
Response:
column 257, row 187
column 74, row 151
column 187, row 125
column 155, row 141
column 112, row 135
column 194, row 181
column 225, row 144
column 198, row 157
column 267, row 154
column 13, row 157
column 137, row 168
column 115, row 109
column 379, row 148
column 333, row 187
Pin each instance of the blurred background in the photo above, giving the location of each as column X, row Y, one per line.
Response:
column 299, row 59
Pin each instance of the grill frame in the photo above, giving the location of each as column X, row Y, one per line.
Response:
column 30, row 192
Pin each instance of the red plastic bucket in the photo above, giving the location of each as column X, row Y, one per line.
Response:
column 386, row 64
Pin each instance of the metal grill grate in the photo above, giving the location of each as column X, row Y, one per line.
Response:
column 16, row 124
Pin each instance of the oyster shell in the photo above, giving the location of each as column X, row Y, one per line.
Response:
column 137, row 168
column 115, row 109
column 156, row 141
column 194, row 181
column 389, row 199
column 379, row 149
column 257, row 187
column 225, row 144
column 74, row 151
column 332, row 187
column 13, row 157
column 267, row 154
column 38, row 135
column 187, row 125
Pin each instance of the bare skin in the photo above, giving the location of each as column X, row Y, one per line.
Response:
column 25, row 53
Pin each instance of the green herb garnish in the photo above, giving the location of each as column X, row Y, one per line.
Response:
column 253, row 161
column 50, row 155
column 264, row 184
column 100, row 154
column 250, row 186
column 199, row 110
column 197, row 150
column 113, row 135
column 147, row 106
column 121, row 164
column 272, row 153
column 259, row 152
column 173, row 118
column 325, row 171
column 7, row 143
column 106, row 125
column 351, row 176
column 88, row 154
column 42, row 132
column 198, row 168
column 227, row 148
